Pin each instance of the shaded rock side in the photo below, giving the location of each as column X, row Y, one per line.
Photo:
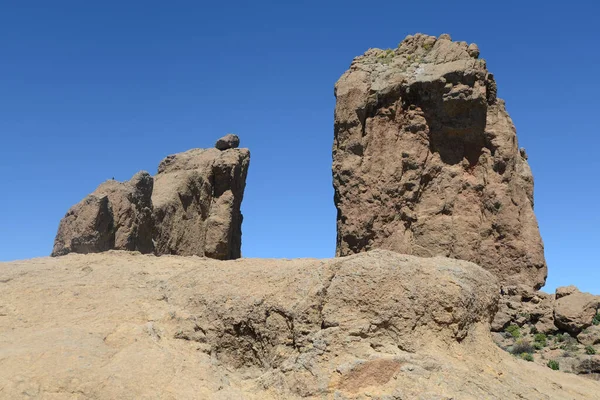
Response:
column 117, row 215
column 426, row 161
column 197, row 198
column 377, row 325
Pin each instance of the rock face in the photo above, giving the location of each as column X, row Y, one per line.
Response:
column 117, row 215
column 377, row 325
column 191, row 207
column 426, row 161
column 197, row 198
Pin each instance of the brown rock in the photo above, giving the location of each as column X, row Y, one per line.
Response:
column 117, row 215
column 565, row 291
column 575, row 312
column 197, row 198
column 587, row 365
column 473, row 50
column 379, row 325
column 590, row 336
column 426, row 162
column 229, row 141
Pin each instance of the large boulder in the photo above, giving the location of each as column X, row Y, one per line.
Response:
column 573, row 312
column 426, row 161
column 117, row 215
column 197, row 198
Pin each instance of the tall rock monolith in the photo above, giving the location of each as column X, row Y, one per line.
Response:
column 426, row 161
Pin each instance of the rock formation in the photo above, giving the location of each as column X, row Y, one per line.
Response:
column 563, row 327
column 197, row 198
column 117, row 215
column 191, row 207
column 426, row 161
column 377, row 325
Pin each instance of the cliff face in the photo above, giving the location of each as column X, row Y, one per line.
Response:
column 426, row 161
column 191, row 207
column 197, row 198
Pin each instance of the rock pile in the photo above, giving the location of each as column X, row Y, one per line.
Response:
column 191, row 207
column 564, row 327
column 426, row 161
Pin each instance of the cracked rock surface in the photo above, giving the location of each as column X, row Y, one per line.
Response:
column 377, row 325
column 426, row 161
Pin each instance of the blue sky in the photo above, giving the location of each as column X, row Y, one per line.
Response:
column 92, row 90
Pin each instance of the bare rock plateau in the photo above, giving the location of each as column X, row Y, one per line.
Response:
column 376, row 325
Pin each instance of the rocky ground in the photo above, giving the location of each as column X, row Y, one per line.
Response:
column 377, row 325
column 560, row 331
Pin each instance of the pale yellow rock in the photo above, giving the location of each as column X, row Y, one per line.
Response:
column 378, row 325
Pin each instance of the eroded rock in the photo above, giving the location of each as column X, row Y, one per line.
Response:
column 197, row 198
column 575, row 311
column 426, row 161
column 117, row 215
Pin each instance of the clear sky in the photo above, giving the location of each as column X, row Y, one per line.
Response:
column 95, row 90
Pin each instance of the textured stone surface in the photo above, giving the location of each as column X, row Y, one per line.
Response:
column 590, row 336
column 378, row 325
column 117, row 215
column 426, row 161
column 574, row 312
column 229, row 141
column 197, row 198
column 520, row 305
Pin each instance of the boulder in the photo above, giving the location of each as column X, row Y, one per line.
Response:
column 229, row 141
column 426, row 162
column 575, row 311
column 197, row 198
column 590, row 336
column 117, row 215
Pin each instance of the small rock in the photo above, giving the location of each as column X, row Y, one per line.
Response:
column 229, row 141
column 473, row 50
column 445, row 36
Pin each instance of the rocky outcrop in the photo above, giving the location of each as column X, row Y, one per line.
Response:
column 117, row 215
column 426, row 161
column 191, row 207
column 562, row 327
column 575, row 311
column 377, row 325
column 567, row 311
column 197, row 198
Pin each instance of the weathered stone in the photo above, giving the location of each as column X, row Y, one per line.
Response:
column 229, row 141
column 575, row 311
column 565, row 291
column 117, row 215
column 590, row 336
column 378, row 325
column 473, row 50
column 426, row 162
column 588, row 365
column 197, row 198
